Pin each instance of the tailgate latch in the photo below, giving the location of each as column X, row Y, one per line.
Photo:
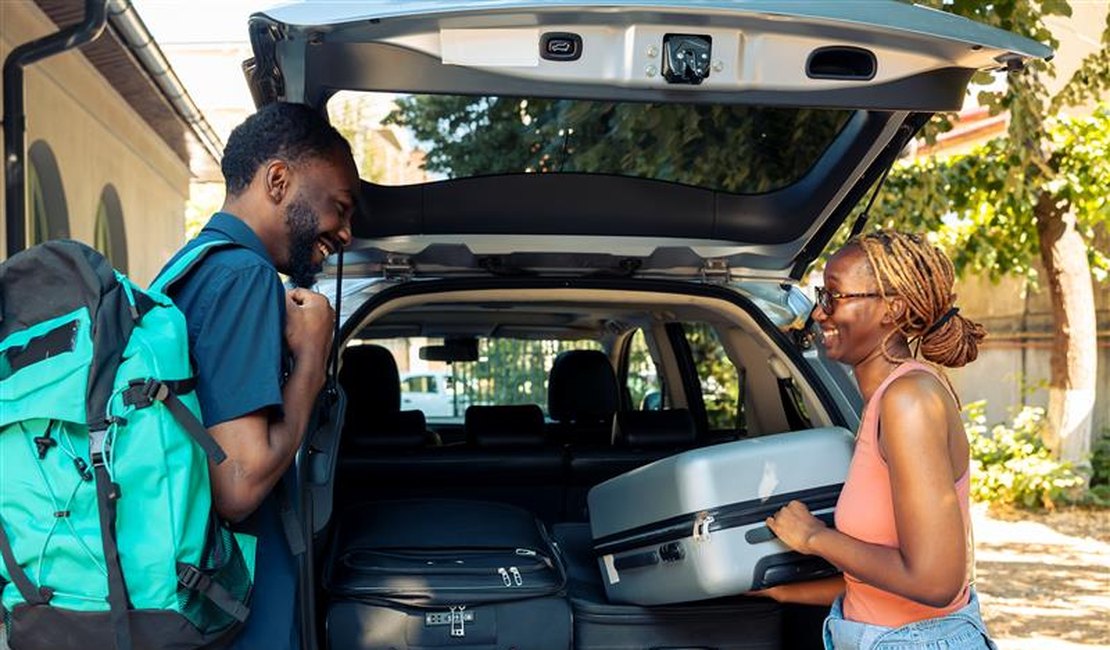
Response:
column 397, row 267
column 716, row 271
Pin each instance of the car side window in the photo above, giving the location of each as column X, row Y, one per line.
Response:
column 643, row 382
column 722, row 383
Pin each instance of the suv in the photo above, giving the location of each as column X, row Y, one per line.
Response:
column 639, row 182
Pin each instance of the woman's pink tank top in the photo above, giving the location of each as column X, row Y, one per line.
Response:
column 865, row 511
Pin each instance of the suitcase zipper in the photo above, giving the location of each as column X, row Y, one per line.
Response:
column 701, row 524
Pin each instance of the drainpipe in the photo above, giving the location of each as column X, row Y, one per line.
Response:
column 15, row 120
column 133, row 32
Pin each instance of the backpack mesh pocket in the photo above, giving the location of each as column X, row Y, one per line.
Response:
column 224, row 564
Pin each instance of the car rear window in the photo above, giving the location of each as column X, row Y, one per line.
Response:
column 406, row 139
column 507, row 371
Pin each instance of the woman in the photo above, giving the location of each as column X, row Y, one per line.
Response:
column 903, row 534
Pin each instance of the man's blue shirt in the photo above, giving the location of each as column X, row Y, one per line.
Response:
column 234, row 306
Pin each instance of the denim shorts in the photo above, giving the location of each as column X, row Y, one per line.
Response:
column 963, row 629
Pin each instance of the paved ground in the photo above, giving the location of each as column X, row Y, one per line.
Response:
column 1044, row 580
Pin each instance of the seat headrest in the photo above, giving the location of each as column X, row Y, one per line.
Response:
column 400, row 430
column 370, row 378
column 516, row 425
column 582, row 386
column 669, row 428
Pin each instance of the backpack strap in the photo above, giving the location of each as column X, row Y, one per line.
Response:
column 177, row 271
column 107, row 495
column 142, row 393
column 32, row 596
column 193, row 579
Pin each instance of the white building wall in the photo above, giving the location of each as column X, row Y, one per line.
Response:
column 97, row 138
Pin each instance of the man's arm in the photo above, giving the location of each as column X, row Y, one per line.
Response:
column 259, row 449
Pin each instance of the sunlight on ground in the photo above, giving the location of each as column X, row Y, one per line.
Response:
column 1041, row 588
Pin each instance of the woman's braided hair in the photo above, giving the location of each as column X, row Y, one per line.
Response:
column 908, row 266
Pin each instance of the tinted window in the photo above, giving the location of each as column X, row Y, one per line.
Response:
column 508, row 371
column 722, row 383
column 645, row 385
column 738, row 149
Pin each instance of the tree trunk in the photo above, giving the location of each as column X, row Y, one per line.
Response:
column 1071, row 397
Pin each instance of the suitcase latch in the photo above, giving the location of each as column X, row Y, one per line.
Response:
column 701, row 526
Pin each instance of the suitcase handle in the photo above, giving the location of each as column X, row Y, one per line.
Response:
column 764, row 534
column 636, row 560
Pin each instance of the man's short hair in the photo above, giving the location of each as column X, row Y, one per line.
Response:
column 285, row 131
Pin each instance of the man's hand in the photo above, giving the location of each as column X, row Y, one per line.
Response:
column 796, row 526
column 309, row 322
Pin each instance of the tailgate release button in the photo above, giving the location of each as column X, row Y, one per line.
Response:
column 561, row 46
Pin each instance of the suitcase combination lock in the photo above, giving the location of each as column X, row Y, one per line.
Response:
column 456, row 616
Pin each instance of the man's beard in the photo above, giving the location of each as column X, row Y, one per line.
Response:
column 302, row 225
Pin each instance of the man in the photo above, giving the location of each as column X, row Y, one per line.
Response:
column 260, row 350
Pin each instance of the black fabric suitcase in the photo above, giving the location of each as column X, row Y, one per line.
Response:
column 735, row 623
column 440, row 573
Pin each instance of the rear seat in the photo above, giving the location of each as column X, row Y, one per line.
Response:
column 515, row 425
column 510, row 455
column 508, row 459
column 640, row 437
column 582, row 398
column 374, row 417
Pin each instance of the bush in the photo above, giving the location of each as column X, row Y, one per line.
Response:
column 1100, row 470
column 1011, row 465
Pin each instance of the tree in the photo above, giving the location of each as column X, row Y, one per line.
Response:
column 767, row 147
column 1039, row 193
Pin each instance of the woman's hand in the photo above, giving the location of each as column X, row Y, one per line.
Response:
column 796, row 527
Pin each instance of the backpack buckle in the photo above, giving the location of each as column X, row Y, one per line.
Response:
column 144, row 392
column 191, row 578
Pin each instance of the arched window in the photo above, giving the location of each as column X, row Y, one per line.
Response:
column 45, row 195
column 108, row 234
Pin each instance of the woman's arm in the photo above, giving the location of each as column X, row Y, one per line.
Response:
column 812, row 592
column 930, row 564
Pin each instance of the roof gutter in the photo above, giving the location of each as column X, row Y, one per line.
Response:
column 15, row 119
column 133, row 32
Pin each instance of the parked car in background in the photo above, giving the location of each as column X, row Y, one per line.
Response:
column 433, row 393
column 649, row 181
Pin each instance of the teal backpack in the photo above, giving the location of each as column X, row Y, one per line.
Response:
column 107, row 531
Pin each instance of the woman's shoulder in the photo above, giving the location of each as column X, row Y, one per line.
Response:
column 917, row 393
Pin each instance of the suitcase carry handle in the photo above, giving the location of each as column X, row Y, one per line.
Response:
column 636, row 560
column 764, row 534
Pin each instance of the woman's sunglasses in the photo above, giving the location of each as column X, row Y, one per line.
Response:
column 826, row 299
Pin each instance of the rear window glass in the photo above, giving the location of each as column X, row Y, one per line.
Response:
column 507, row 371
column 405, row 139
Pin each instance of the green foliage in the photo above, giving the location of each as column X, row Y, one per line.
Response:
column 1091, row 80
column 643, row 377
column 721, row 382
column 767, row 147
column 512, row 371
column 1011, row 465
column 970, row 204
column 1100, row 470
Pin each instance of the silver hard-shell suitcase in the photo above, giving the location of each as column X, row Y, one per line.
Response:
column 691, row 526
